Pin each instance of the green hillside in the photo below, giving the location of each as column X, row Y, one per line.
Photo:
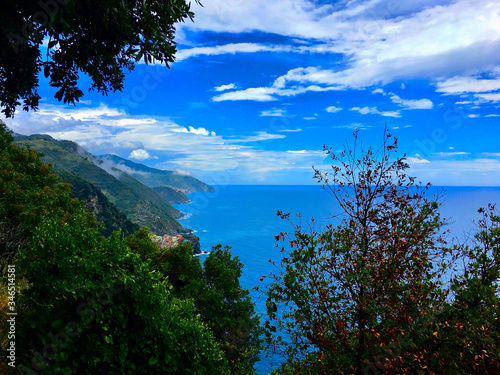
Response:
column 96, row 202
column 138, row 202
column 153, row 177
column 172, row 195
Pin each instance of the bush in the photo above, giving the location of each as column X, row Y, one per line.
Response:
column 369, row 295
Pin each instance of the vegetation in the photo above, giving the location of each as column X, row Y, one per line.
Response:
column 380, row 292
column 139, row 203
column 172, row 195
column 100, row 39
column 28, row 191
column 91, row 304
column 224, row 306
column 105, row 212
column 153, row 177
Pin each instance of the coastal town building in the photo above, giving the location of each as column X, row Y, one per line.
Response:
column 168, row 241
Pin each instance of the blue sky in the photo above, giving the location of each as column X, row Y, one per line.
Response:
column 260, row 86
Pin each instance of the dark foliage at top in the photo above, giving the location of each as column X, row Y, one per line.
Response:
column 101, row 39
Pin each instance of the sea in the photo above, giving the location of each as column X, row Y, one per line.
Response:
column 245, row 218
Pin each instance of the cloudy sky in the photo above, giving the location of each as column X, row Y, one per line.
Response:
column 260, row 86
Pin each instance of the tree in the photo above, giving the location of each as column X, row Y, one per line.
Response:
column 95, row 307
column 89, row 304
column 468, row 327
column 99, row 39
column 225, row 307
column 228, row 310
column 28, row 191
column 368, row 294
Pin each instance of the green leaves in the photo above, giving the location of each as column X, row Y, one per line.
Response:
column 91, row 37
column 221, row 303
column 89, row 303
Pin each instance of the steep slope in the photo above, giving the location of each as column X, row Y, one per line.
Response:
column 96, row 202
column 138, row 202
column 153, row 177
column 172, row 195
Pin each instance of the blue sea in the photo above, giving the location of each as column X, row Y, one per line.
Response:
column 245, row 218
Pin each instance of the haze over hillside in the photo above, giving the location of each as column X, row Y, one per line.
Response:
column 112, row 187
column 153, row 177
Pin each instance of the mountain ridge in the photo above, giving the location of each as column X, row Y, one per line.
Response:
column 154, row 177
column 138, row 202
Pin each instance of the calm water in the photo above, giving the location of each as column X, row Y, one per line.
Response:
column 244, row 217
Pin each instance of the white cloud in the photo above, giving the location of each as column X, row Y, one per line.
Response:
column 231, row 48
column 492, row 97
column 225, row 87
column 141, row 154
column 290, row 130
column 492, row 115
column 412, row 104
column 110, row 167
column 256, row 94
column 215, row 159
column 275, row 112
column 85, row 113
column 278, row 89
column 375, row 111
column 354, row 125
column 474, row 115
column 460, row 85
column 192, row 130
column 448, row 154
column 180, row 172
column 130, row 145
column 199, row 131
column 413, row 160
column 333, row 109
column 383, row 43
column 468, row 172
column 261, row 136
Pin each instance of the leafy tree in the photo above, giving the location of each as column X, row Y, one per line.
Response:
column 225, row 307
column 467, row 329
column 100, row 39
column 229, row 311
column 28, row 191
column 368, row 295
column 98, row 308
column 140, row 243
column 90, row 304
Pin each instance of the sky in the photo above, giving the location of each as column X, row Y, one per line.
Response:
column 259, row 87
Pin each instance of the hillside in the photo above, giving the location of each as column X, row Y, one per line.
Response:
column 172, row 195
column 138, row 202
column 96, row 202
column 153, row 177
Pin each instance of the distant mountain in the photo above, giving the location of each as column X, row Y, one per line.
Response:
column 153, row 177
column 171, row 195
column 138, row 202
